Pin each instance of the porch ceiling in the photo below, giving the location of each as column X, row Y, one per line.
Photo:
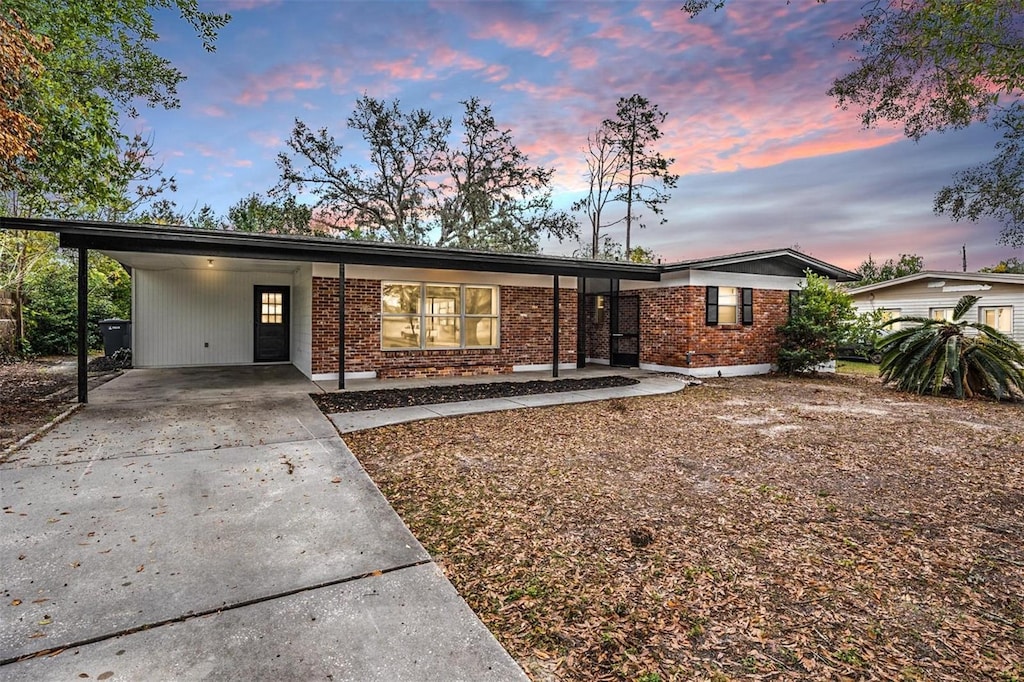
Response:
column 169, row 261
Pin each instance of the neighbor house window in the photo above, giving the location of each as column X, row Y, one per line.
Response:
column 729, row 305
column 941, row 314
column 1001, row 318
column 891, row 314
column 436, row 316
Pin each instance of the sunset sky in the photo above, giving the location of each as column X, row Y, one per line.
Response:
column 765, row 158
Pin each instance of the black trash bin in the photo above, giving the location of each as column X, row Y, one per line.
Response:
column 117, row 334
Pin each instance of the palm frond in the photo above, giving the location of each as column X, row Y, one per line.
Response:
column 965, row 303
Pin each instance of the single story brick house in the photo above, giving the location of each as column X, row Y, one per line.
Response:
column 934, row 294
column 228, row 298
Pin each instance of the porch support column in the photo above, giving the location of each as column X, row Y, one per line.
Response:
column 581, row 322
column 554, row 333
column 83, row 325
column 341, row 326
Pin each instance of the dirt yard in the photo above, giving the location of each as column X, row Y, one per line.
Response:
column 759, row 528
column 31, row 394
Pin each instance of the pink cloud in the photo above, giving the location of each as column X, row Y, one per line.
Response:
column 402, row 69
column 264, row 139
column 520, row 34
column 243, row 5
column 442, row 59
column 282, row 81
column 214, row 111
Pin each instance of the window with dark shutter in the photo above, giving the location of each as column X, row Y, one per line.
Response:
column 747, row 305
column 711, row 310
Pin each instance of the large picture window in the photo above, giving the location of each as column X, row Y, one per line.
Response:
column 437, row 316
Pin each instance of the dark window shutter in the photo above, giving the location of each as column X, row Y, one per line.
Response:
column 711, row 311
column 793, row 293
column 747, row 305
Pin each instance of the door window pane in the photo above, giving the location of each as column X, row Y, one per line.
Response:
column 271, row 308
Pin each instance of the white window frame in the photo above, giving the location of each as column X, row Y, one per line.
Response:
column 423, row 314
column 998, row 309
column 947, row 313
column 889, row 314
column 737, row 295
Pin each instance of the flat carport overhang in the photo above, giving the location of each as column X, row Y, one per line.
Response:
column 134, row 238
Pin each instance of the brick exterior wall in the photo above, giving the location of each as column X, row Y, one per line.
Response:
column 525, row 334
column 672, row 323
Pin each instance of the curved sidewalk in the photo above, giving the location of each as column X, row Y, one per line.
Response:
column 347, row 422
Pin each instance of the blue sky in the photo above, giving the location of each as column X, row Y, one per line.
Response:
column 764, row 156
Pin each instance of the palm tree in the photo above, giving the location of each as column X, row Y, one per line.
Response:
column 971, row 357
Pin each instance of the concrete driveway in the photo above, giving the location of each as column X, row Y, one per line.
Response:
column 197, row 524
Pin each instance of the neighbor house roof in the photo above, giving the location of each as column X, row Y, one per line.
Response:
column 164, row 239
column 990, row 277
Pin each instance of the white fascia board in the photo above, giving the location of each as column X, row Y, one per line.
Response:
column 394, row 274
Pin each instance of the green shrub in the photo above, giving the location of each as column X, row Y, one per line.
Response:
column 818, row 322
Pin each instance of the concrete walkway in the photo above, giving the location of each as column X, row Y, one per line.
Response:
column 211, row 524
column 649, row 384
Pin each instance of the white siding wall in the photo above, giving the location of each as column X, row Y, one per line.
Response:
column 916, row 299
column 177, row 311
column 302, row 319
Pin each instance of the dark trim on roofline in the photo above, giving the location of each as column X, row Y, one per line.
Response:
column 130, row 237
column 833, row 272
column 178, row 240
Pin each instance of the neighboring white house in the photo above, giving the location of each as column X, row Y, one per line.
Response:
column 934, row 294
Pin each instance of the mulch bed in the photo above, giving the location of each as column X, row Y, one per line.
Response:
column 359, row 401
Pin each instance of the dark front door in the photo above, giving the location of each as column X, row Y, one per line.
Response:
column 272, row 326
column 625, row 329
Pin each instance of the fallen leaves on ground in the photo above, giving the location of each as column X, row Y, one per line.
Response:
column 30, row 396
column 756, row 528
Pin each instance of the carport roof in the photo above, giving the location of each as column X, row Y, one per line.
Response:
column 165, row 239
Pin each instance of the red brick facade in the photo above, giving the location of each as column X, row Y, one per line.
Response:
column 672, row 324
column 525, row 334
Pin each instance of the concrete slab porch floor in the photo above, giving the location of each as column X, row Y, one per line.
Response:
column 211, row 524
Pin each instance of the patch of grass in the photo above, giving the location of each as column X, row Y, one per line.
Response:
column 866, row 369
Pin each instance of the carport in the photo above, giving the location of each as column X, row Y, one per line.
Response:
column 125, row 241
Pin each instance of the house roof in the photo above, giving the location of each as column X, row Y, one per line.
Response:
column 183, row 240
column 164, row 239
column 992, row 277
column 786, row 262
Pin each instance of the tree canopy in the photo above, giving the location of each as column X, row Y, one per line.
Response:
column 1011, row 265
column 871, row 272
column 71, row 98
column 632, row 134
column 934, row 65
column 421, row 188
